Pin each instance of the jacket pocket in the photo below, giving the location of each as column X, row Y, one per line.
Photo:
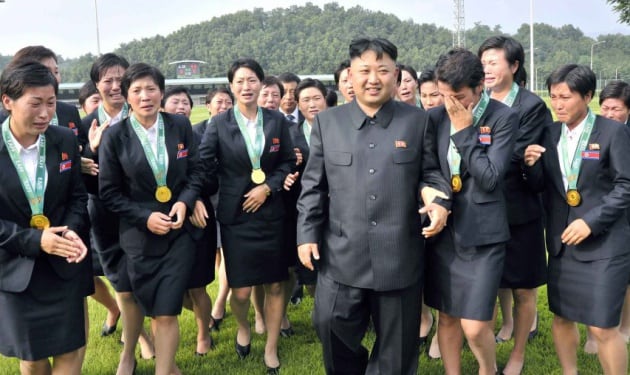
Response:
column 340, row 158
column 404, row 156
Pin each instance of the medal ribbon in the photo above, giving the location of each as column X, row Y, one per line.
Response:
column 35, row 195
column 511, row 96
column 158, row 165
column 254, row 150
column 453, row 157
column 102, row 115
column 55, row 120
column 572, row 169
column 307, row 132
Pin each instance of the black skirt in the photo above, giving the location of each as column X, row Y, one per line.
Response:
column 462, row 282
column 202, row 272
column 254, row 252
column 45, row 320
column 591, row 293
column 525, row 257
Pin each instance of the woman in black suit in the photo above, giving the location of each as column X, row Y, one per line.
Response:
column 254, row 152
column 465, row 261
column 148, row 171
column 42, row 273
column 582, row 166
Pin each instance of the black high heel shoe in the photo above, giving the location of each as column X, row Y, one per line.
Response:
column 107, row 330
column 242, row 351
column 198, row 354
column 273, row 370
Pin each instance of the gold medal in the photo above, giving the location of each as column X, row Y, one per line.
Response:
column 573, row 198
column 258, row 176
column 163, row 194
column 456, row 183
column 40, row 222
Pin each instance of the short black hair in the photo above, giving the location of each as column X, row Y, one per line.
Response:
column 287, row 77
column 37, row 53
column 378, row 45
column 513, row 51
column 616, row 90
column 246, row 63
column 273, row 80
column 104, row 62
column 408, row 69
column 218, row 90
column 176, row 90
column 331, row 98
column 427, row 75
column 579, row 78
column 345, row 64
column 309, row 82
column 141, row 70
column 23, row 74
column 459, row 68
column 88, row 89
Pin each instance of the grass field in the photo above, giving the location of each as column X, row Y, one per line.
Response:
column 300, row 354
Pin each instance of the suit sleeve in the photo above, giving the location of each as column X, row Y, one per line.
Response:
column 530, row 129
column 208, row 149
column 112, row 180
column 82, row 135
column 488, row 164
column 431, row 173
column 275, row 180
column 194, row 182
column 312, row 200
column 19, row 240
column 616, row 202
column 76, row 214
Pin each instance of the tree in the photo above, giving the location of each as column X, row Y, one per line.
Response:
column 623, row 8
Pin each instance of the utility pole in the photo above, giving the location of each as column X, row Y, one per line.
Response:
column 459, row 31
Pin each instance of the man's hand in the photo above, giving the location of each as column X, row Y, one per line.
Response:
column 532, row 154
column 200, row 214
column 438, row 216
column 290, row 180
column 576, row 232
column 255, row 198
column 461, row 117
column 429, row 194
column 305, row 251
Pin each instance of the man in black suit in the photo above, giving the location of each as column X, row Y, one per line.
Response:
column 359, row 210
column 288, row 104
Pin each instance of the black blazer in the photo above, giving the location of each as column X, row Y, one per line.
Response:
column 360, row 194
column 523, row 204
column 65, row 203
column 299, row 141
column 479, row 212
column 604, row 185
column 223, row 142
column 127, row 185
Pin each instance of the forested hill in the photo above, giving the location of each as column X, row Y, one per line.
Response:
column 312, row 40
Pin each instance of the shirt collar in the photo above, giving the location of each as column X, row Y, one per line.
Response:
column 383, row 116
column 578, row 129
column 18, row 145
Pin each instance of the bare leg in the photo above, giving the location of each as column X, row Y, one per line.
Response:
column 41, row 367
column 288, row 286
column 68, row 363
column 147, row 351
column 612, row 352
column 624, row 328
column 566, row 339
column 258, row 300
column 481, row 341
column 239, row 302
column 105, row 298
column 274, row 307
column 524, row 315
column 426, row 321
column 507, row 325
column 590, row 346
column 218, row 310
column 434, row 349
column 166, row 330
column 86, row 318
column 132, row 324
column 451, row 338
column 201, row 307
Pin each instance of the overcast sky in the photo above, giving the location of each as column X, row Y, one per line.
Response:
column 69, row 28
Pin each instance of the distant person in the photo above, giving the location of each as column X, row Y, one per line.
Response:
column 271, row 94
column 177, row 101
column 342, row 82
column 358, row 228
column 288, row 105
column 429, row 94
column 582, row 166
column 408, row 87
column 331, row 98
column 44, row 275
column 525, row 265
column 89, row 97
column 218, row 100
column 475, row 137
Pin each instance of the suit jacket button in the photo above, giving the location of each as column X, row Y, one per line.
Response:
column 373, row 197
column 372, row 170
column 373, row 223
column 372, row 145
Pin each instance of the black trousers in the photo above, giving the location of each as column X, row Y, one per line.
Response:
column 341, row 317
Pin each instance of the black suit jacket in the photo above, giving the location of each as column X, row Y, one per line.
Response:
column 604, row 185
column 479, row 210
column 523, row 203
column 127, row 185
column 360, row 194
column 65, row 203
column 223, row 142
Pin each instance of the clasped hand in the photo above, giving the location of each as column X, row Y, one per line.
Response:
column 255, row 198
column 63, row 242
column 160, row 224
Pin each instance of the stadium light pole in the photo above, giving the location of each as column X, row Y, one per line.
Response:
column 531, row 44
column 592, row 47
column 98, row 37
